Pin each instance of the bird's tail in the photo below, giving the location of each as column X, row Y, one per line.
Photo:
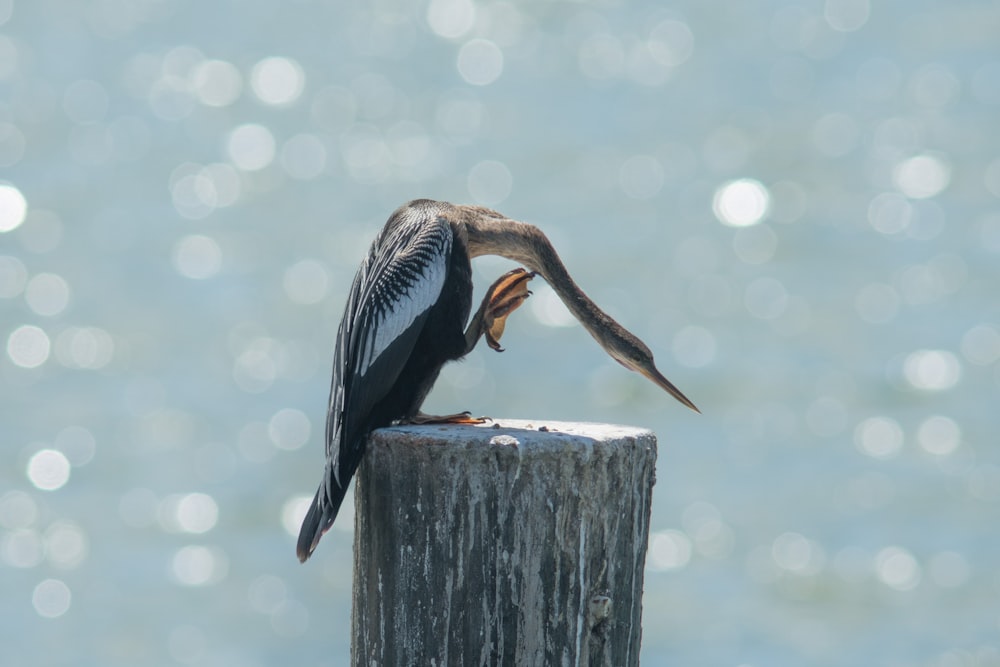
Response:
column 322, row 512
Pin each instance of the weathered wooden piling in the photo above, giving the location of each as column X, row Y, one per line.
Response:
column 515, row 543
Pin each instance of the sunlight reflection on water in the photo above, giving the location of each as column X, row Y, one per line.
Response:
column 794, row 205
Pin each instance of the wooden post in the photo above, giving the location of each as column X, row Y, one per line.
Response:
column 517, row 544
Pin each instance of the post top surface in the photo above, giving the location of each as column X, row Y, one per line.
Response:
column 519, row 433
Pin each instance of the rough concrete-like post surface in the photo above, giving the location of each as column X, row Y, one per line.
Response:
column 518, row 545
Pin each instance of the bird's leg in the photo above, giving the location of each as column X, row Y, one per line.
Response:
column 503, row 297
column 459, row 418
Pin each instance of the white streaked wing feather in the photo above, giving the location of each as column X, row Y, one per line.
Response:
column 403, row 310
column 400, row 279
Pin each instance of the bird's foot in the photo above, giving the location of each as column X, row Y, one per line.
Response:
column 458, row 418
column 504, row 297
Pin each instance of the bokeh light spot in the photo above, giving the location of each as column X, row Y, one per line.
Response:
column 644, row 67
column 51, row 598
column 711, row 536
column 846, row 15
column 897, row 568
column 196, row 565
column 13, row 207
column 197, row 257
column 549, row 309
column 480, row 62
column 277, row 81
column 797, row 554
column 939, row 435
column 879, row 437
column 294, row 511
column 890, row 213
column 21, row 549
column 13, row 276
column 197, row 191
column 256, row 365
column 48, row 470
column 217, row 83
column 77, row 444
column 65, row 545
column 671, row 42
column 981, row 345
column 289, row 428
column 451, row 18
column 170, row 98
column 694, row 346
column 251, row 147
column 28, row 346
column 192, row 193
column 668, row 550
column 932, row 370
column 47, row 294
column 17, row 510
column 922, row 176
column 88, row 348
column 741, row 203
column 195, row 513
column 306, row 282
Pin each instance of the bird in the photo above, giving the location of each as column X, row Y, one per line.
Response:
column 405, row 318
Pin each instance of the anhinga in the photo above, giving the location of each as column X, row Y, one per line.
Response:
column 404, row 320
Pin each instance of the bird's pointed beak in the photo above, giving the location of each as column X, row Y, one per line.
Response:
column 656, row 376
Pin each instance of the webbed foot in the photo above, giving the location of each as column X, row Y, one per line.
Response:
column 457, row 418
column 503, row 298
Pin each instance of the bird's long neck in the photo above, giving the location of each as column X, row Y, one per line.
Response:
column 489, row 233
column 527, row 245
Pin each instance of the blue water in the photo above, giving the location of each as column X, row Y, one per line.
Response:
column 795, row 204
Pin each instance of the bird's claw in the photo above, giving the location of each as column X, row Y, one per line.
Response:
column 457, row 418
column 504, row 297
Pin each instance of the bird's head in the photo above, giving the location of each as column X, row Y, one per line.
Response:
column 633, row 354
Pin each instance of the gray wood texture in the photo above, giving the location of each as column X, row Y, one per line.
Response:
column 518, row 545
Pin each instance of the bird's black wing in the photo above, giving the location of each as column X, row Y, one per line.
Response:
column 399, row 281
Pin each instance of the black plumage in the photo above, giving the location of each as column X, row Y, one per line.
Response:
column 403, row 321
column 405, row 318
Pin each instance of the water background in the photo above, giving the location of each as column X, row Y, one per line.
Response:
column 795, row 204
